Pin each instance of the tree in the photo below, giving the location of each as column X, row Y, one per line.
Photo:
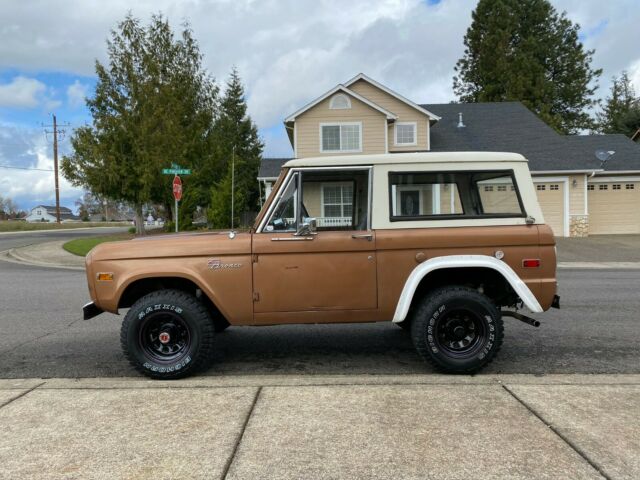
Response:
column 8, row 208
column 621, row 110
column 239, row 151
column 153, row 105
column 524, row 50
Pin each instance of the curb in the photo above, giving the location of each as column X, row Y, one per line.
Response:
column 12, row 256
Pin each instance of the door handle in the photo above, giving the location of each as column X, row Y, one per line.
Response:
column 291, row 239
column 364, row 236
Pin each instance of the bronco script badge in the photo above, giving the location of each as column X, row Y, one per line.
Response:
column 215, row 264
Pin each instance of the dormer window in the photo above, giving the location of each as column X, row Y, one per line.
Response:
column 406, row 133
column 339, row 102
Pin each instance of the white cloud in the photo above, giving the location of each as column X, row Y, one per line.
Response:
column 289, row 51
column 21, row 92
column 31, row 149
column 76, row 93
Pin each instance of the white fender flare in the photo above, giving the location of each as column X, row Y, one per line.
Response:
column 463, row 261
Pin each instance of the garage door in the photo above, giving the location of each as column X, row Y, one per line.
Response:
column 551, row 199
column 614, row 208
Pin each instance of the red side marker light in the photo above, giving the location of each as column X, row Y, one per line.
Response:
column 531, row 263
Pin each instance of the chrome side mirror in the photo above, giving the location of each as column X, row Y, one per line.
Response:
column 307, row 228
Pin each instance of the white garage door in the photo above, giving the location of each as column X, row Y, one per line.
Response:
column 551, row 199
column 614, row 208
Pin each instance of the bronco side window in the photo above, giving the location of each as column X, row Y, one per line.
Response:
column 453, row 194
column 337, row 199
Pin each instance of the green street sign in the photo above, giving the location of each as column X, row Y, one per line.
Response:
column 176, row 171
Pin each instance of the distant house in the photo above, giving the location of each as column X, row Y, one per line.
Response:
column 579, row 193
column 47, row 213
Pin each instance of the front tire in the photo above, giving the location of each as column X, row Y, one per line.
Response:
column 457, row 330
column 167, row 334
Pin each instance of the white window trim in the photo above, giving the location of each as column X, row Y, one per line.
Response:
column 342, row 95
column 340, row 124
column 338, row 183
column 415, row 134
column 409, row 188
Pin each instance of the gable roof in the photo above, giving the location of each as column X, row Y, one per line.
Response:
column 420, row 108
column 510, row 126
column 270, row 167
column 340, row 88
column 52, row 209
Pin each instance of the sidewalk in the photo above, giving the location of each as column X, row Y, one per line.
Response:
column 47, row 254
column 315, row 427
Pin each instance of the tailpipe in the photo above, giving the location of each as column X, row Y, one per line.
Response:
column 523, row 318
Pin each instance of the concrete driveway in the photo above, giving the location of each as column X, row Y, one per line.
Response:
column 599, row 248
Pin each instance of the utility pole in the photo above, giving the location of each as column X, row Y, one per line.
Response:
column 55, row 132
column 233, row 181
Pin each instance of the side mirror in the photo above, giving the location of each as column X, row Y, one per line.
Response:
column 307, row 228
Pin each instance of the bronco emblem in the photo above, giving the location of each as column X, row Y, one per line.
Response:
column 214, row 264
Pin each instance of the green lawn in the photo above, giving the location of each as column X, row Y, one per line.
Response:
column 81, row 246
column 19, row 226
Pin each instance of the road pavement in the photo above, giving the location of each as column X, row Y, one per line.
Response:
column 43, row 334
column 20, row 239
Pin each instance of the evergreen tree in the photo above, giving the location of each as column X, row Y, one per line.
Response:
column 524, row 50
column 236, row 138
column 153, row 105
column 621, row 110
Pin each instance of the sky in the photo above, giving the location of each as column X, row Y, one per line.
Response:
column 287, row 52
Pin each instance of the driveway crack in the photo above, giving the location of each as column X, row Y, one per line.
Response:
column 21, row 395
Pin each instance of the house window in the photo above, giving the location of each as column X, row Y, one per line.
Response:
column 488, row 188
column 629, row 186
column 39, row 212
column 541, row 187
column 590, row 187
column 339, row 102
column 337, row 200
column 406, row 133
column 554, row 187
column 502, row 188
column 603, row 187
column 513, row 188
column 341, row 137
column 617, row 186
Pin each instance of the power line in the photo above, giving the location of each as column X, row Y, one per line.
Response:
column 27, row 168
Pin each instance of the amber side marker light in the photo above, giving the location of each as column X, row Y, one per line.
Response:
column 531, row 263
column 105, row 277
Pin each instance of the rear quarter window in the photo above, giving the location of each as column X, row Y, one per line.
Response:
column 454, row 194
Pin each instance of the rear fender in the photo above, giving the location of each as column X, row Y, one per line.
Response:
column 462, row 261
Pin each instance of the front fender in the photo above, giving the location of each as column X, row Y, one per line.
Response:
column 462, row 261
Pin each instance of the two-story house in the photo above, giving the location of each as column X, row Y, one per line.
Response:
column 580, row 192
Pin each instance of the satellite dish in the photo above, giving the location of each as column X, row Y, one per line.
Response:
column 602, row 155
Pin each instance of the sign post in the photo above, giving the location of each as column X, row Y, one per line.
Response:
column 176, row 170
column 177, row 195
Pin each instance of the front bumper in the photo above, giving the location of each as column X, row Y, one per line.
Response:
column 90, row 310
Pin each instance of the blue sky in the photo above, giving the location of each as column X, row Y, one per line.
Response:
column 287, row 52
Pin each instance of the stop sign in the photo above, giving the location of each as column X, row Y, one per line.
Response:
column 177, row 188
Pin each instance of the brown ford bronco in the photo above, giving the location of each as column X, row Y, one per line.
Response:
column 442, row 244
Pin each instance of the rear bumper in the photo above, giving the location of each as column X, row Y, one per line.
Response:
column 90, row 310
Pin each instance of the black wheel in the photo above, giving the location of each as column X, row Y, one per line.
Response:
column 167, row 334
column 457, row 329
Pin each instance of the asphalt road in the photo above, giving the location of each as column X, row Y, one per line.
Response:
column 42, row 333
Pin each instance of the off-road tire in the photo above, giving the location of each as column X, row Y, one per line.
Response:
column 190, row 319
column 436, row 340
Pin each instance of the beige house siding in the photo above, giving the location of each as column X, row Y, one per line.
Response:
column 577, row 194
column 404, row 112
column 308, row 127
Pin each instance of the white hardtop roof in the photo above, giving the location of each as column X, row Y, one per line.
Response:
column 400, row 158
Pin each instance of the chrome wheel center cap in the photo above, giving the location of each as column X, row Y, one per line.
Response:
column 164, row 337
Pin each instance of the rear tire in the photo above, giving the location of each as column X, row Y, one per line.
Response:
column 457, row 330
column 168, row 334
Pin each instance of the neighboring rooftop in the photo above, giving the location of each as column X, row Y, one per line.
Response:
column 270, row 167
column 510, row 126
column 51, row 209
